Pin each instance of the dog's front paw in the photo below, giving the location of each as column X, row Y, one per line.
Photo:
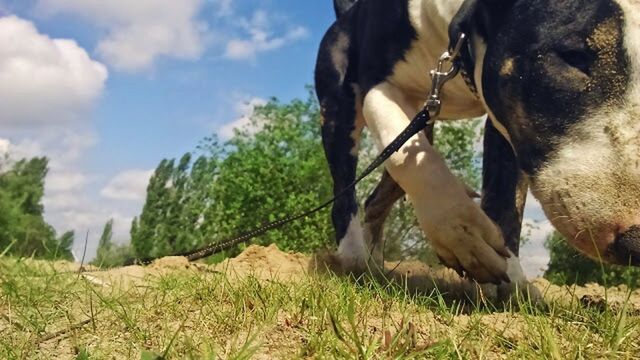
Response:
column 467, row 241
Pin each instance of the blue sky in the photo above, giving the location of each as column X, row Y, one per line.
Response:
column 106, row 89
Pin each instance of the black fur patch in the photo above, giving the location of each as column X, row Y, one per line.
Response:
column 382, row 37
column 501, row 185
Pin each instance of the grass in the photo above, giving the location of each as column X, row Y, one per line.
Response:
column 47, row 313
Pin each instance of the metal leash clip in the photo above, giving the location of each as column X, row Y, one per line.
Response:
column 439, row 77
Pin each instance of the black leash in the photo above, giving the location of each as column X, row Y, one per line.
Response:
column 425, row 117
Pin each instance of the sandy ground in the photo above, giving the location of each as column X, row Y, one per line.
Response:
column 269, row 263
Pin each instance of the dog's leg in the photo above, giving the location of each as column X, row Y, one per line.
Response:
column 378, row 206
column 462, row 235
column 342, row 123
column 504, row 189
column 504, row 192
column 341, row 130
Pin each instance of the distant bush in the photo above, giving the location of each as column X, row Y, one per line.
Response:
column 567, row 267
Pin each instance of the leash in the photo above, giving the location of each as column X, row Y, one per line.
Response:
column 426, row 117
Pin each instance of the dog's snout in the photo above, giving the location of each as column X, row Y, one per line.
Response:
column 627, row 246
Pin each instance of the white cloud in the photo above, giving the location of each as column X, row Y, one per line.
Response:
column 62, row 201
column 245, row 110
column 75, row 145
column 537, row 229
column 65, row 181
column 4, row 147
column 261, row 38
column 91, row 219
column 224, row 8
column 140, row 31
column 128, row 185
column 44, row 80
column 26, row 148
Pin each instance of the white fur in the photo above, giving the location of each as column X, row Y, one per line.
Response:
column 352, row 249
column 519, row 285
column 460, row 231
column 431, row 19
column 514, row 270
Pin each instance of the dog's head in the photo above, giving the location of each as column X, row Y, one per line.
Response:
column 562, row 78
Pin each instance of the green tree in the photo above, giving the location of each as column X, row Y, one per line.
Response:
column 23, row 230
column 567, row 267
column 105, row 238
column 148, row 236
column 271, row 173
column 272, row 168
column 110, row 254
column 457, row 142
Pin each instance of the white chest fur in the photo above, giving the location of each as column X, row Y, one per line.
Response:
column 430, row 19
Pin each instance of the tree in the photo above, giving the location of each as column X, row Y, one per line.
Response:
column 148, row 237
column 105, row 238
column 110, row 254
column 567, row 267
column 23, row 230
column 276, row 171
column 255, row 177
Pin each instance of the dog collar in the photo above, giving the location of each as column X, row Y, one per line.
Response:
column 466, row 62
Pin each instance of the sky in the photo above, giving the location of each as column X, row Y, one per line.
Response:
column 107, row 89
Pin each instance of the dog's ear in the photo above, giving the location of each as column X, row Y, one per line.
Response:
column 483, row 17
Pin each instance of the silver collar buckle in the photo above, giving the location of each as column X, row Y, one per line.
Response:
column 440, row 76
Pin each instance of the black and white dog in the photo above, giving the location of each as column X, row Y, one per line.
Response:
column 560, row 82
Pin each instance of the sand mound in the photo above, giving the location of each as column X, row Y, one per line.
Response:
column 266, row 263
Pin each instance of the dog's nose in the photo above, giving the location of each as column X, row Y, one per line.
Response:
column 627, row 246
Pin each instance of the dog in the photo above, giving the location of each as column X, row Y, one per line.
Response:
column 560, row 84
